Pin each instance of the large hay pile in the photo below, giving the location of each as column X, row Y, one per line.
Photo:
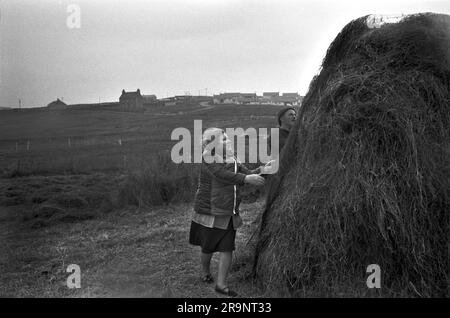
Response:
column 365, row 174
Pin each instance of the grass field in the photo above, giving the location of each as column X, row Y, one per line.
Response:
column 127, row 253
column 120, row 211
column 84, row 141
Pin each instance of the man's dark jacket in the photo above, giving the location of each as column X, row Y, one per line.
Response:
column 282, row 137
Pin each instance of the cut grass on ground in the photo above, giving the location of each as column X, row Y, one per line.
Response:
column 127, row 253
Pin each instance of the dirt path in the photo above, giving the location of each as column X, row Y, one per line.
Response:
column 128, row 253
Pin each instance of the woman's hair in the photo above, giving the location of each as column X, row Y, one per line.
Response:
column 209, row 136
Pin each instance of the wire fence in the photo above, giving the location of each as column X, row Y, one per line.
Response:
column 75, row 155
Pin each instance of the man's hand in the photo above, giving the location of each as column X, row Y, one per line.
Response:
column 254, row 179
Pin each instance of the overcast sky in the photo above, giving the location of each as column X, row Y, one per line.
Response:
column 170, row 47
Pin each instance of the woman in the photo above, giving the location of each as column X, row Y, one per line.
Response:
column 216, row 206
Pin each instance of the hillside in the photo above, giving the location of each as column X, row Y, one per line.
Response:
column 121, row 211
column 38, row 141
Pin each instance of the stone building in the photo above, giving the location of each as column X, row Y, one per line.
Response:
column 131, row 101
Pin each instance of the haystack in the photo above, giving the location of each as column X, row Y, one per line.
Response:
column 365, row 174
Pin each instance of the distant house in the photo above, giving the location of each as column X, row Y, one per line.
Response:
column 292, row 95
column 289, row 98
column 296, row 98
column 131, row 101
column 271, row 94
column 227, row 98
column 57, row 104
column 148, row 99
column 247, row 98
column 274, row 98
column 269, row 97
column 169, row 101
column 183, row 97
column 216, row 99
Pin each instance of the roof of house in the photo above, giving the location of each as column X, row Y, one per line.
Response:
column 291, row 95
column 129, row 95
column 286, row 99
column 230, row 95
column 57, row 102
column 271, row 93
column 248, row 95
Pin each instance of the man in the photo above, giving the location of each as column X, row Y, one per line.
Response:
column 286, row 119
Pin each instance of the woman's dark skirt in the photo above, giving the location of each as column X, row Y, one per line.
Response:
column 212, row 239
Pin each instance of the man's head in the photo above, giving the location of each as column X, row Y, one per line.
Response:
column 286, row 117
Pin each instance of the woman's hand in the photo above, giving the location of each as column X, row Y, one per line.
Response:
column 270, row 168
column 254, row 179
